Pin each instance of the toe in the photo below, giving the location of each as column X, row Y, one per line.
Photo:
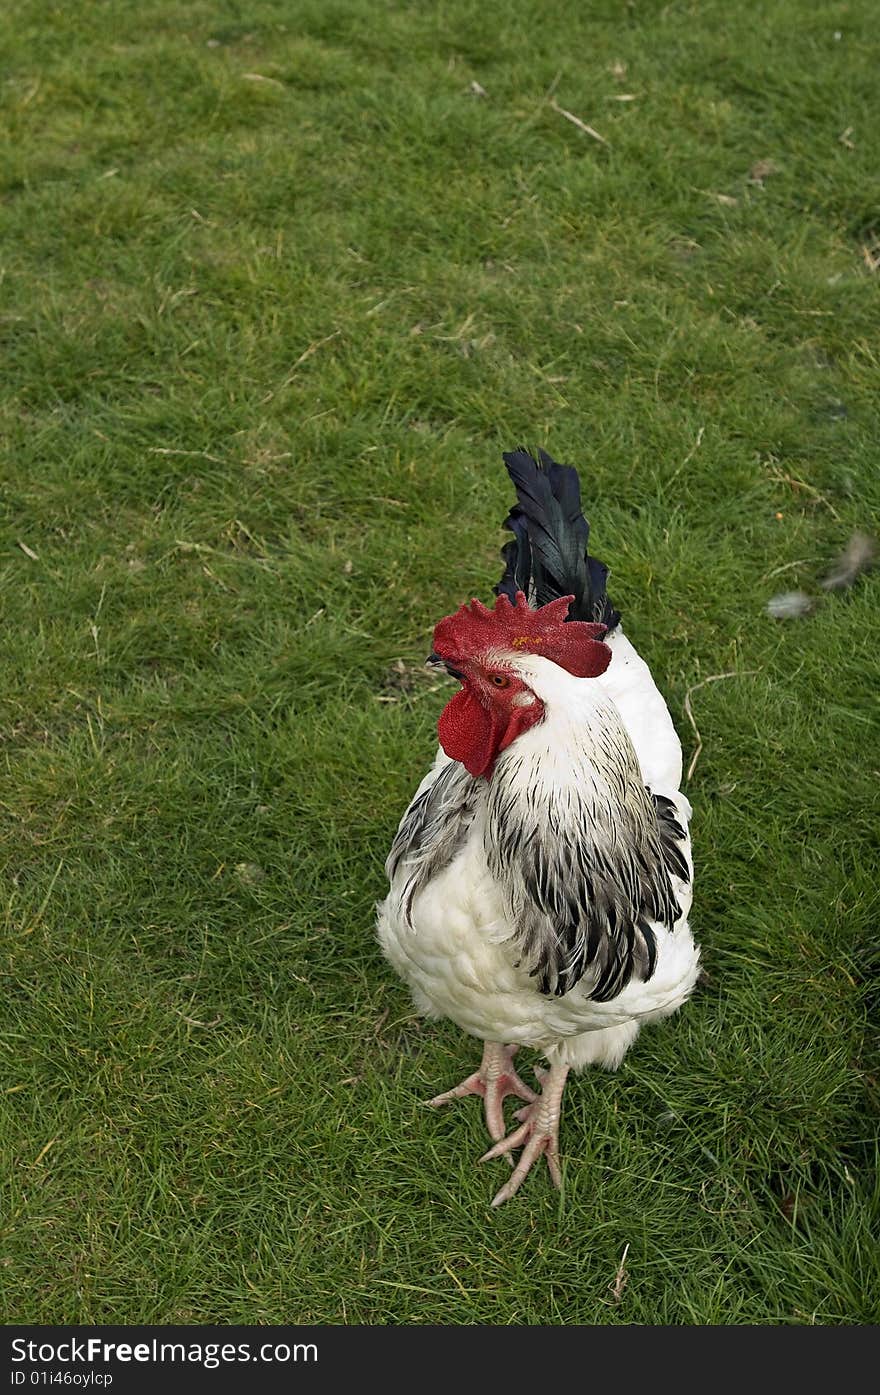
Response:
column 534, row 1149
column 513, row 1140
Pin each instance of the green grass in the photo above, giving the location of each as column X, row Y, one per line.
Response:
column 277, row 290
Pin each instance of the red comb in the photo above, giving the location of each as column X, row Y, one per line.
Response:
column 573, row 644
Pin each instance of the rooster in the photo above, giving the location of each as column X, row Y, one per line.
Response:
column 540, row 880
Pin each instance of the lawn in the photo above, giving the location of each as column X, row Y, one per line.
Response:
column 280, row 281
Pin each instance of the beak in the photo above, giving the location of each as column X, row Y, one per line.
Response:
column 435, row 661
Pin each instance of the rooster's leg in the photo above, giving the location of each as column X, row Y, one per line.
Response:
column 538, row 1133
column 495, row 1079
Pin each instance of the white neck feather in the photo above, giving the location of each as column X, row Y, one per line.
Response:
column 581, row 744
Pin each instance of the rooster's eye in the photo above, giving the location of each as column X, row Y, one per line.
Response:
column 500, row 681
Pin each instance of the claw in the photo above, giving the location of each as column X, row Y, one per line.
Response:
column 494, row 1081
column 537, row 1134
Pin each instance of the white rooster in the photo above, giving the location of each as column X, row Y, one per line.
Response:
column 541, row 876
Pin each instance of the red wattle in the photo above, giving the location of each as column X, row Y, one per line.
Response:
column 468, row 733
column 476, row 736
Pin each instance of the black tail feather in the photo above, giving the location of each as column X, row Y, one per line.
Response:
column 548, row 556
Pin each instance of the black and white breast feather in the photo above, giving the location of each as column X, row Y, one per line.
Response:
column 584, row 878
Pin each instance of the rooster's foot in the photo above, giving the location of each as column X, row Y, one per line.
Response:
column 495, row 1080
column 537, row 1134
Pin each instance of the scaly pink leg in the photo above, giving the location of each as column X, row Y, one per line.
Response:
column 495, row 1080
column 538, row 1133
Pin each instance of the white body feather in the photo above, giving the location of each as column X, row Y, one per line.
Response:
column 458, row 952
